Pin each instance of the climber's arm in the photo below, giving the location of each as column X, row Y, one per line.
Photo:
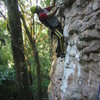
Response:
column 52, row 13
column 54, row 3
column 44, row 15
column 52, row 6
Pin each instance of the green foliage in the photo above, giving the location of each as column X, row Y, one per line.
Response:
column 7, row 84
column 45, row 3
column 48, row 2
column 7, row 71
column 42, row 43
column 2, row 26
column 34, row 88
column 6, row 54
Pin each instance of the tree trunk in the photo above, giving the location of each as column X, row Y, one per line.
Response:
column 18, row 50
column 29, row 67
column 37, row 63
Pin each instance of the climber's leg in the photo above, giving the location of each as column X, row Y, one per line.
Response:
column 59, row 39
column 59, row 28
column 51, row 42
column 60, row 48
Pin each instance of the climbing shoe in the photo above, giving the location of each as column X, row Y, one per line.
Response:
column 62, row 55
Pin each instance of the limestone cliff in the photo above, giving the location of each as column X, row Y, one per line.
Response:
column 77, row 77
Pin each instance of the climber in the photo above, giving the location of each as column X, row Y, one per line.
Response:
column 48, row 18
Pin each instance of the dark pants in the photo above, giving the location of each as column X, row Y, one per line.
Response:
column 59, row 33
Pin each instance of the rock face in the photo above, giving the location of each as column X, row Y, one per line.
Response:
column 77, row 77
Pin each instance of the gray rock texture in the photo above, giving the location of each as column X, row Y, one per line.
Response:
column 77, row 77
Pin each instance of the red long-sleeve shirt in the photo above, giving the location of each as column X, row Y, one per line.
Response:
column 43, row 15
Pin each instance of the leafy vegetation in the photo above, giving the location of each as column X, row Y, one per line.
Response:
column 8, row 88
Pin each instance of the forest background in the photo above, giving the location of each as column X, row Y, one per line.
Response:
column 36, row 50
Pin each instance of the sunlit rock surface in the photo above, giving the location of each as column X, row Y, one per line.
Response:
column 77, row 77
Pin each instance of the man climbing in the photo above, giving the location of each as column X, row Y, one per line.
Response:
column 48, row 18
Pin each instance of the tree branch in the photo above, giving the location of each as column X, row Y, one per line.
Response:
column 3, row 15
